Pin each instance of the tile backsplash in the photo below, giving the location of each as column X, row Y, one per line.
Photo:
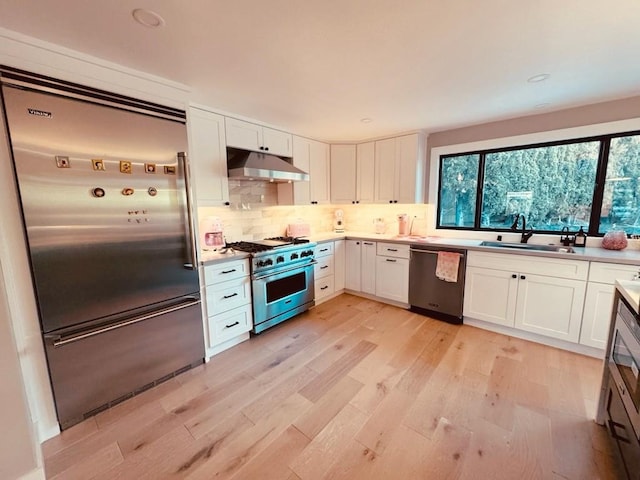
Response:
column 254, row 214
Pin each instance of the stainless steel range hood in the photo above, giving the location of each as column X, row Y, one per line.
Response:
column 243, row 164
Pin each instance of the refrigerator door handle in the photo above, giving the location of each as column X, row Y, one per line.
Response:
column 182, row 157
column 59, row 341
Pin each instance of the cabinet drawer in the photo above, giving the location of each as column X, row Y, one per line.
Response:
column 551, row 267
column 393, row 250
column 230, row 324
column 224, row 271
column 225, row 296
column 324, row 287
column 610, row 272
column 324, row 249
column 324, row 267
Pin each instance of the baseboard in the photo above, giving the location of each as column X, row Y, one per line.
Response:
column 534, row 337
column 226, row 345
column 378, row 299
column 37, row 474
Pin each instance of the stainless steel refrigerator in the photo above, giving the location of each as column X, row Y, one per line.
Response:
column 106, row 213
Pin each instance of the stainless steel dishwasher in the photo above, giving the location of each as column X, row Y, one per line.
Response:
column 428, row 295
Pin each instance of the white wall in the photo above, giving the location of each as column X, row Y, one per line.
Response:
column 19, row 452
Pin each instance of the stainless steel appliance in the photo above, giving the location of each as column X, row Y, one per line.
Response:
column 428, row 294
column 622, row 394
column 107, row 221
column 282, row 279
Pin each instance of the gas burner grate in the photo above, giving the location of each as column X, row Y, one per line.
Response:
column 293, row 240
column 249, row 247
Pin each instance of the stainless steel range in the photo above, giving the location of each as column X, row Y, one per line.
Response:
column 282, row 278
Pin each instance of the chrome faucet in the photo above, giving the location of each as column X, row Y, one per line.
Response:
column 525, row 236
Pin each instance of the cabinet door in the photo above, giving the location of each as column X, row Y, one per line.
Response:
column 368, row 268
column 319, row 172
column 385, row 171
column 392, row 278
column 277, row 142
column 242, row 134
column 365, row 172
column 550, row 306
column 343, row 173
column 301, row 159
column 353, row 265
column 598, row 304
column 208, row 157
column 490, row 295
column 410, row 169
column 339, row 266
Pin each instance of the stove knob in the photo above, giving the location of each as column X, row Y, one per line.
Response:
column 280, row 259
column 294, row 256
column 259, row 263
column 268, row 261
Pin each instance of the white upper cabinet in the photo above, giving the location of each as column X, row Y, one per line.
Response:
column 365, row 172
column 312, row 157
column 208, row 157
column 400, row 169
column 250, row 136
column 319, row 172
column 343, row 174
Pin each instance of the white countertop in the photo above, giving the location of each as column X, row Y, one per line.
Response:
column 594, row 254
column 627, row 256
column 630, row 290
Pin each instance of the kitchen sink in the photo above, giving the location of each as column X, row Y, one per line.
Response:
column 528, row 246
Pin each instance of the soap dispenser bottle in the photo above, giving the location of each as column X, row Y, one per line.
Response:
column 581, row 238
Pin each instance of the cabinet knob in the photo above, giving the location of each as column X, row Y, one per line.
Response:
column 266, row 149
column 353, row 201
column 390, row 201
column 357, row 201
column 514, row 276
column 522, row 277
column 261, row 148
column 227, row 203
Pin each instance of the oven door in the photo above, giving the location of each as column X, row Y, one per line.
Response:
column 624, row 364
column 278, row 296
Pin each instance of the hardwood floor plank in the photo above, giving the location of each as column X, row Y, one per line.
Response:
column 272, row 398
column 231, row 458
column 448, row 451
column 404, row 458
column 104, row 458
column 318, row 387
column 378, row 383
column 377, row 431
column 416, row 377
column 327, row 407
column 272, row 464
column 323, row 451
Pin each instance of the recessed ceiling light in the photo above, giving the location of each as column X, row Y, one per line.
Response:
column 147, row 18
column 538, row 78
column 366, row 120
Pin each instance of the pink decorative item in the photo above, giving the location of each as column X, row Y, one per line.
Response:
column 614, row 240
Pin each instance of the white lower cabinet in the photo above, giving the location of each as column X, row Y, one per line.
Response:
column 353, row 262
column 490, row 295
column 392, row 272
column 227, row 302
column 368, row 268
column 360, row 275
column 550, row 306
column 515, row 294
column 329, row 270
column 598, row 301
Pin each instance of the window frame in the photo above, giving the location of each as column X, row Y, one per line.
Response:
column 598, row 190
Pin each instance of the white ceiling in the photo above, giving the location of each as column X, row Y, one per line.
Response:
column 318, row 67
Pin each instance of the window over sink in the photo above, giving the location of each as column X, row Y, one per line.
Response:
column 593, row 183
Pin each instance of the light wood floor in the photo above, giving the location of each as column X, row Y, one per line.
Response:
column 355, row 389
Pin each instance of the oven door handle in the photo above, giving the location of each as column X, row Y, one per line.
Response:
column 297, row 267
